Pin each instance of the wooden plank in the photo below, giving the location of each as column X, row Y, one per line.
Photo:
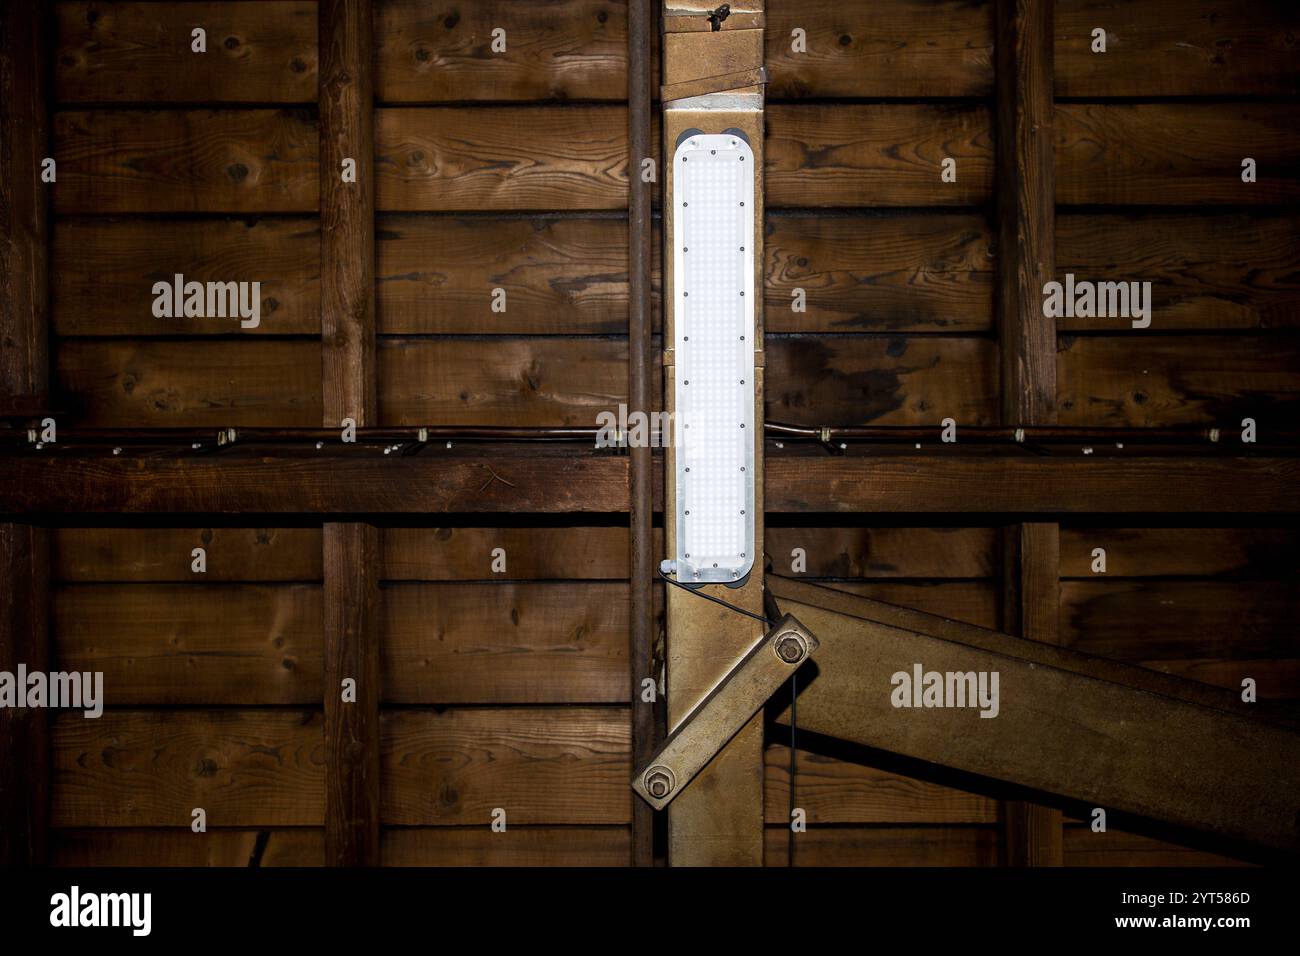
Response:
column 885, row 552
column 973, row 602
column 558, row 50
column 892, row 273
column 1176, row 153
column 895, row 380
column 885, row 846
column 347, row 217
column 181, row 847
column 1252, row 553
column 451, row 159
column 24, row 227
column 507, row 643
column 193, row 643
column 128, row 383
column 352, row 727
column 906, row 48
column 141, row 52
column 1227, row 271
column 1114, row 848
column 1275, row 680
column 152, row 767
column 834, row 791
column 517, row 846
column 24, row 731
column 105, row 270
column 886, row 154
column 1180, row 380
column 515, row 381
column 1177, row 48
column 465, row 554
column 541, row 765
column 163, row 554
column 560, row 276
column 186, row 161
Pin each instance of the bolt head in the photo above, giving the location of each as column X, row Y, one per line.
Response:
column 659, row 782
column 790, row 647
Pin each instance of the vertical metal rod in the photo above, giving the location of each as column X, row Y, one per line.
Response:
column 641, row 21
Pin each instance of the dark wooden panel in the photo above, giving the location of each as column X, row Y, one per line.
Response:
column 892, row 273
column 902, row 48
column 465, row 554
column 1177, row 48
column 1206, row 272
column 559, row 276
column 895, row 380
column 885, row 552
column 244, row 161
column 1274, row 679
column 512, row 381
column 1177, row 153
column 141, row 52
column 163, row 554
column 1171, row 552
column 1113, row 848
column 835, row 791
column 193, row 643
column 104, row 273
column 145, row 383
column 541, row 765
column 151, row 768
column 555, row 50
column 517, row 846
column 884, row 846
column 877, row 155
column 501, row 157
column 182, row 847
column 1180, row 380
column 973, row 602
column 506, row 643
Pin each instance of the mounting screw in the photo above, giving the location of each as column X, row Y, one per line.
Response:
column 659, row 782
column 790, row 647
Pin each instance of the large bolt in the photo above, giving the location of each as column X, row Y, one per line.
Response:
column 659, row 782
column 790, row 647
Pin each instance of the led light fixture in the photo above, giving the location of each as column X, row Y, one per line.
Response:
column 713, row 289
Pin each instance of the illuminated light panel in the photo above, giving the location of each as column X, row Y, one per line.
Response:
column 713, row 287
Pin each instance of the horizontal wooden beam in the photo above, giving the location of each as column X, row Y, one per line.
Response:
column 561, row 479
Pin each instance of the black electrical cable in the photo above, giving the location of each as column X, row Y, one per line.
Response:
column 710, row 597
column 794, row 692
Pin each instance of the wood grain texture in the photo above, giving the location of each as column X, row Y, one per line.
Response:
column 465, row 554
column 1276, row 679
column 834, row 791
column 163, row 554
column 105, row 269
column 125, row 383
column 560, row 276
column 237, row 161
column 886, row 154
column 1176, row 153
column 541, row 765
column 892, row 273
column 885, row 552
column 517, row 846
column 151, row 768
column 972, row 602
column 505, row 643
column 1251, row 553
column 906, row 48
column 141, row 52
column 119, row 846
column 162, row 644
column 1180, row 380
column 1114, row 848
column 885, row 846
column 1177, row 48
column 895, row 380
column 1228, row 271
column 501, row 158
column 555, row 50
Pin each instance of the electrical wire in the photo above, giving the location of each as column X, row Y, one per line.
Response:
column 710, row 597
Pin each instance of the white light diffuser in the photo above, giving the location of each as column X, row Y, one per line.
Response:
column 713, row 290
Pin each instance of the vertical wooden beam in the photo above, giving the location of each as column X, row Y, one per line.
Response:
column 347, row 211
column 1026, row 197
column 24, row 733
column 24, row 287
column 351, row 549
column 351, row 592
column 641, row 21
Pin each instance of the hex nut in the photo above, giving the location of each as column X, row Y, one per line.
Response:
column 791, row 647
column 659, row 781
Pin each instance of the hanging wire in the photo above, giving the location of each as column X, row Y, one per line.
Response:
column 793, row 721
